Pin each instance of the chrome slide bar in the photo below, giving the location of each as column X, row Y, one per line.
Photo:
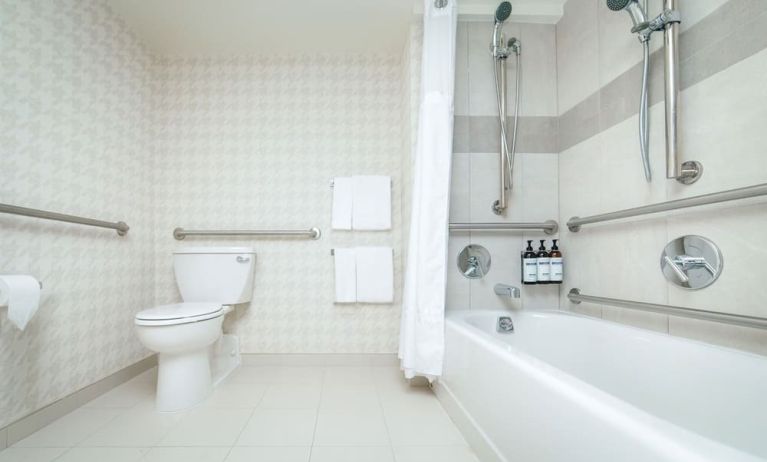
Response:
column 548, row 227
column 576, row 297
column 575, row 223
column 312, row 233
column 120, row 226
column 684, row 172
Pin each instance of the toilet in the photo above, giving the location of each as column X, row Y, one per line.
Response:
column 210, row 280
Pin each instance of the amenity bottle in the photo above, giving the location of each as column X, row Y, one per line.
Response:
column 555, row 261
column 529, row 265
column 544, row 264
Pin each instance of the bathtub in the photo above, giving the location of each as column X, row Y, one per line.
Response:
column 564, row 387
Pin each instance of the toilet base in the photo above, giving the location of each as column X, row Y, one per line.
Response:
column 183, row 380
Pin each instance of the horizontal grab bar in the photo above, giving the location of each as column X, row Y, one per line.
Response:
column 120, row 226
column 576, row 297
column 312, row 233
column 548, row 227
column 575, row 223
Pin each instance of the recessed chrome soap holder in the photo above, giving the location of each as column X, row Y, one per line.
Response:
column 474, row 261
column 691, row 262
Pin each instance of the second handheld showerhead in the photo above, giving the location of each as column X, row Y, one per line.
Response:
column 634, row 9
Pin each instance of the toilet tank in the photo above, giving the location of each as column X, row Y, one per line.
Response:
column 215, row 274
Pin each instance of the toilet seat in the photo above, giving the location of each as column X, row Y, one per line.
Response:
column 179, row 313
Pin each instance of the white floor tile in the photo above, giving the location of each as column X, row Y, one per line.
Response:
column 283, row 427
column 433, row 453
column 103, row 455
column 71, row 429
column 269, row 454
column 302, row 396
column 351, row 428
column 422, row 429
column 350, row 398
column 134, row 429
column 196, row 454
column 352, row 454
column 343, row 375
column 230, row 395
column 30, row 454
column 411, row 399
column 208, row 427
column 277, row 375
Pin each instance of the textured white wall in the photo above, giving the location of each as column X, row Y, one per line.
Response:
column 254, row 143
column 74, row 91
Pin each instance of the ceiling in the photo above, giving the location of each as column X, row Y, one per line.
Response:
column 237, row 27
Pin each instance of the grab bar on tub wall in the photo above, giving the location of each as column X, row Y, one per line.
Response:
column 312, row 233
column 575, row 223
column 548, row 227
column 576, row 297
column 120, row 226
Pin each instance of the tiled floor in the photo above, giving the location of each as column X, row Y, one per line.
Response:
column 260, row 414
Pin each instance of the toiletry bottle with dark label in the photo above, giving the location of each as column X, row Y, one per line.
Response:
column 529, row 265
column 544, row 264
column 555, row 260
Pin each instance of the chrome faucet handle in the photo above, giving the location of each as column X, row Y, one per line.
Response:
column 687, row 262
column 674, row 266
column 475, row 267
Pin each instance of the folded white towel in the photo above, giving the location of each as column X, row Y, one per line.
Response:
column 346, row 276
column 342, row 203
column 375, row 274
column 371, row 208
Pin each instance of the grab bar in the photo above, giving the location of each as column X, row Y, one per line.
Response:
column 312, row 233
column 575, row 223
column 548, row 227
column 576, row 297
column 120, row 226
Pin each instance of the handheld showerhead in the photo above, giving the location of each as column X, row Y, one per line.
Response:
column 634, row 9
column 503, row 12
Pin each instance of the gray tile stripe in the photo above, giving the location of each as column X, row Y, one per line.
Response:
column 482, row 134
column 732, row 33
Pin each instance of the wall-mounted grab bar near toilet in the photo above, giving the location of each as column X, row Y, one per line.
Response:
column 312, row 233
column 120, row 226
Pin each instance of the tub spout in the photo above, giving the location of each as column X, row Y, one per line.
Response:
column 506, row 290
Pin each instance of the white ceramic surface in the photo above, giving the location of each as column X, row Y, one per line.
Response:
column 564, row 384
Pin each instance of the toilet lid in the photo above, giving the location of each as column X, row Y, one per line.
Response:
column 179, row 313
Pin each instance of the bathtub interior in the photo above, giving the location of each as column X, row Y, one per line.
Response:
column 715, row 392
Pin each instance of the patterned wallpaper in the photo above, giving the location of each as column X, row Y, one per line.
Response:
column 74, row 91
column 254, row 143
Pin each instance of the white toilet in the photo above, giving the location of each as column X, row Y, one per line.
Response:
column 210, row 280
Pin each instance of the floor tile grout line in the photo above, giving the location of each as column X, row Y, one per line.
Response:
column 317, row 412
column 239, row 434
column 386, row 424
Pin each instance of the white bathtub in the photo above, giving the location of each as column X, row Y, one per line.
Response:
column 565, row 387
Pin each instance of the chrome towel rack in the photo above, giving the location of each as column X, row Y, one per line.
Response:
column 575, row 223
column 312, row 233
column 120, row 226
column 576, row 297
column 548, row 227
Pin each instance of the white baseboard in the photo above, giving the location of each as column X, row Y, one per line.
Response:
column 29, row 424
column 475, row 436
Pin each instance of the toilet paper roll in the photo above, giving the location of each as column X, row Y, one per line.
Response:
column 21, row 294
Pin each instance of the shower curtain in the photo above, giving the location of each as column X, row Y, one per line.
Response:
column 422, row 329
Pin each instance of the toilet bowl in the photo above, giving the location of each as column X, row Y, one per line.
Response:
column 210, row 281
column 181, row 335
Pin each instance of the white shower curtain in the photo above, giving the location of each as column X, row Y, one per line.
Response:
column 422, row 330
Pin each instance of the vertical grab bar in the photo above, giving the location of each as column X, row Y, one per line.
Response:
column 690, row 171
column 501, row 63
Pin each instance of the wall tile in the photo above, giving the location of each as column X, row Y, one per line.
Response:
column 485, row 189
column 538, row 92
column 462, row 70
column 460, row 188
column 458, row 287
column 577, row 53
column 743, row 338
